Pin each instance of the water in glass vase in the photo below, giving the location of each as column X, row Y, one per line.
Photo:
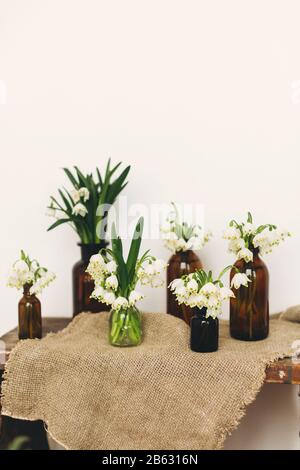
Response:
column 125, row 327
column 249, row 310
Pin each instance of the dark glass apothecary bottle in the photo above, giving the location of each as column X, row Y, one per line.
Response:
column 83, row 284
column 204, row 332
column 249, row 310
column 30, row 315
column 184, row 262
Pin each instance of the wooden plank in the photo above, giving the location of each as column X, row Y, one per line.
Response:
column 284, row 371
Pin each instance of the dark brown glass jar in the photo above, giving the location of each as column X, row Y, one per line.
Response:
column 30, row 316
column 184, row 262
column 83, row 284
column 249, row 310
column 204, row 332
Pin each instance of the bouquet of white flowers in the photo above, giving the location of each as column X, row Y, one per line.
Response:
column 28, row 272
column 199, row 289
column 116, row 281
column 180, row 236
column 245, row 237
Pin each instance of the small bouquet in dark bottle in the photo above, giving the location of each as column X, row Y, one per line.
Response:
column 29, row 275
column 205, row 295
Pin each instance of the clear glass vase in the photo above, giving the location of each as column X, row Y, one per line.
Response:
column 125, row 327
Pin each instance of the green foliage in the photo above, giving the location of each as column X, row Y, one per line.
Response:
column 127, row 269
column 102, row 193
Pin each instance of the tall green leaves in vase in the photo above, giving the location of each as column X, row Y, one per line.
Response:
column 116, row 279
column 86, row 205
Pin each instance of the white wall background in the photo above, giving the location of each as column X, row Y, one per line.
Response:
column 201, row 97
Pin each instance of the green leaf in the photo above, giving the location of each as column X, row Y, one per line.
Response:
column 57, row 223
column 135, row 249
column 250, row 220
column 117, row 249
column 72, row 178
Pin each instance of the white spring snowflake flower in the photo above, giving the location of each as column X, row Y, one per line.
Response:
column 245, row 254
column 192, row 286
column 240, row 279
column 232, row 233
column 108, row 297
column 75, row 196
column 21, row 267
column 248, row 228
column 176, row 284
column 111, row 267
column 80, row 209
column 135, row 297
column 236, row 245
column 120, row 303
column 98, row 293
column 226, row 293
column 112, row 282
column 84, row 193
column 209, row 289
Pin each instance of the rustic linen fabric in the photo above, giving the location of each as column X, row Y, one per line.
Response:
column 159, row 395
column 291, row 314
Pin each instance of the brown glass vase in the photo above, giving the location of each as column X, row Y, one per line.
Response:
column 83, row 284
column 249, row 310
column 184, row 262
column 30, row 316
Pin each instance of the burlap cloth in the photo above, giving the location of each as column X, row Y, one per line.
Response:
column 159, row 395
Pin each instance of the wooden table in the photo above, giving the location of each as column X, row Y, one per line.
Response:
column 284, row 371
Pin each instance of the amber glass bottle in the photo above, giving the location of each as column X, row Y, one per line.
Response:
column 249, row 310
column 184, row 262
column 83, row 285
column 204, row 332
column 30, row 316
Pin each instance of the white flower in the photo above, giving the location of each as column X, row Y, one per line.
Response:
column 245, row 254
column 261, row 239
column 120, row 303
column 240, row 279
column 226, row 293
column 21, row 267
column 112, row 282
column 98, row 293
column 84, row 193
column 213, row 302
column 111, row 267
column 80, row 209
column 97, row 259
column 108, row 297
column 135, row 297
column 197, row 300
column 159, row 266
column 214, row 313
column 248, row 228
column 75, row 196
column 51, row 212
column 236, row 245
column 209, row 289
column 176, row 284
column 182, row 294
column 232, row 233
column 192, row 286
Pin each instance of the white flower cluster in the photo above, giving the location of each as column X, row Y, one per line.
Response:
column 180, row 236
column 190, row 292
column 30, row 273
column 246, row 235
column 107, row 286
column 77, row 196
column 150, row 273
